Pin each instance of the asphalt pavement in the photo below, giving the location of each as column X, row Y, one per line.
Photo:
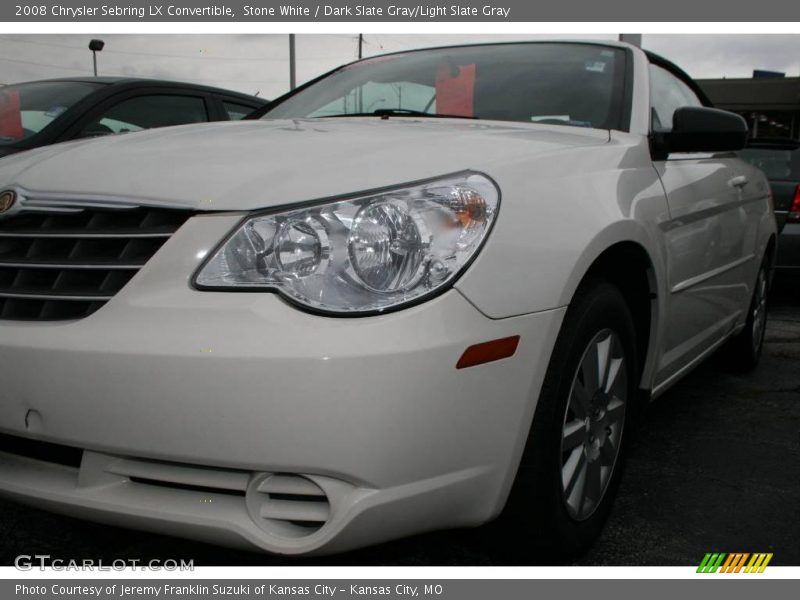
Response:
column 715, row 467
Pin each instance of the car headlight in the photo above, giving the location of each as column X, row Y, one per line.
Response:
column 362, row 254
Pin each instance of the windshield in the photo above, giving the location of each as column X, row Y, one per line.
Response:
column 777, row 164
column 27, row 108
column 555, row 83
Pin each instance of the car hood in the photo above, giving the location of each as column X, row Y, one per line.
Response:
column 257, row 164
column 8, row 151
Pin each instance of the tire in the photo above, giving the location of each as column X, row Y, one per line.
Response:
column 744, row 350
column 558, row 522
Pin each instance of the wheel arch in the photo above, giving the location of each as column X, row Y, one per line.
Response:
column 627, row 262
column 772, row 250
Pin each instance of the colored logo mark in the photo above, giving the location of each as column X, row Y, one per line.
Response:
column 736, row 562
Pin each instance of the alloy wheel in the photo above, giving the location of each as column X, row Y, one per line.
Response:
column 760, row 310
column 593, row 424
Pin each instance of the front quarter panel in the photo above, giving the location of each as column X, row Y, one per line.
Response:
column 558, row 214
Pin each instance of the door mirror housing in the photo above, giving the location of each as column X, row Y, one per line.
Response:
column 702, row 129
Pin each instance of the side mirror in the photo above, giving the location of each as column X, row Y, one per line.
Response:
column 702, row 129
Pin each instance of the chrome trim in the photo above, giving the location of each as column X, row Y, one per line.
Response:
column 706, row 213
column 61, row 202
column 693, row 281
column 63, row 235
column 691, row 365
column 67, row 266
column 76, row 298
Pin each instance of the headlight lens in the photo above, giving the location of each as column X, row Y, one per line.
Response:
column 360, row 255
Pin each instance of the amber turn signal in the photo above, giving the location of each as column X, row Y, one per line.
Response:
column 488, row 352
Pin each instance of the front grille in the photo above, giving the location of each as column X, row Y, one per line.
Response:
column 66, row 265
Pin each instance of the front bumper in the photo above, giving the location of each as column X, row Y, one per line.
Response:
column 183, row 403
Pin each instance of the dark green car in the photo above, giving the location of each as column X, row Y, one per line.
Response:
column 39, row 113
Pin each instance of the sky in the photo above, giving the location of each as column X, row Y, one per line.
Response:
column 259, row 63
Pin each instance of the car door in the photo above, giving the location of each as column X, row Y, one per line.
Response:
column 706, row 237
column 145, row 108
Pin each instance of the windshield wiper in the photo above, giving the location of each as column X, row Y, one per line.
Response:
column 398, row 112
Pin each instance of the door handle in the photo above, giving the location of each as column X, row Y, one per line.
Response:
column 739, row 181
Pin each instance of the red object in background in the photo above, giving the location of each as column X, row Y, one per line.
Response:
column 794, row 211
column 10, row 115
column 454, row 93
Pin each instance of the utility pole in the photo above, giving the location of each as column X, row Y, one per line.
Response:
column 96, row 46
column 359, row 91
column 292, row 65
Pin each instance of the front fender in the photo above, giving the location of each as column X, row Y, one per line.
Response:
column 556, row 217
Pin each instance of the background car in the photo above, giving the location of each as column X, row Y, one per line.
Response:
column 40, row 113
column 780, row 161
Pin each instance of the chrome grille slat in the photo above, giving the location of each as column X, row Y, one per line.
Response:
column 85, row 234
column 61, row 297
column 45, row 209
column 67, row 263
column 34, row 264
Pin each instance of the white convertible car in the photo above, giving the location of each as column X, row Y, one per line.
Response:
column 419, row 290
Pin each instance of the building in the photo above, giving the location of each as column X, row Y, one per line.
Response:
column 771, row 105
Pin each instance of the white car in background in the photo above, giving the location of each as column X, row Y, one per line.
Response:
column 421, row 288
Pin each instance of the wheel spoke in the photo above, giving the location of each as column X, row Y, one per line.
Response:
column 577, row 495
column 608, row 453
column 613, row 371
column 574, row 435
column 759, row 315
column 603, row 352
column 615, row 411
column 594, row 483
column 588, row 369
column 572, row 470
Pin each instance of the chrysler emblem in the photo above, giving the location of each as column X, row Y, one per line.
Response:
column 7, row 200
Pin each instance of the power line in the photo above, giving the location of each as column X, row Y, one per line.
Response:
column 192, row 78
column 18, row 41
column 268, row 62
column 38, row 64
column 150, row 54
